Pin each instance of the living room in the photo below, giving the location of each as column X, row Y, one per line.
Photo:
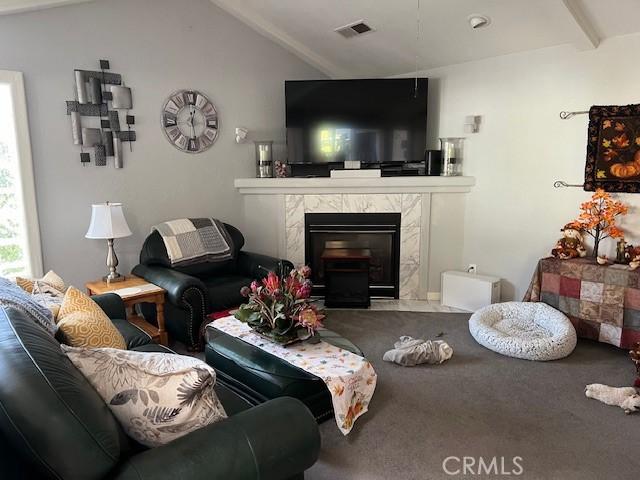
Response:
column 416, row 218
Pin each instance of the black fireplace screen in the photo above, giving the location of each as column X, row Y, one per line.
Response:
column 378, row 232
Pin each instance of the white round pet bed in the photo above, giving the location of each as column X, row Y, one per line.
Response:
column 532, row 331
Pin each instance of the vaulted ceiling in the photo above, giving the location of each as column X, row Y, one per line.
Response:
column 306, row 27
column 17, row 6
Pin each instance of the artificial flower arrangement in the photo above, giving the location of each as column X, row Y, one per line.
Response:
column 598, row 218
column 279, row 307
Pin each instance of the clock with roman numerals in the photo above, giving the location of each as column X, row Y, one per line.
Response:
column 190, row 121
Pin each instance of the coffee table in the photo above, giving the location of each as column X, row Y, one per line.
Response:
column 259, row 376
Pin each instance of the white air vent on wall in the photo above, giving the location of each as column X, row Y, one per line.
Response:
column 354, row 29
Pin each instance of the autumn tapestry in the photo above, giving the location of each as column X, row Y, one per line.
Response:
column 613, row 150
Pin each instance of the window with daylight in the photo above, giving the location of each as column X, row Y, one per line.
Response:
column 19, row 233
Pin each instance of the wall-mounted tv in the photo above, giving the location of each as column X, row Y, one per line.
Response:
column 373, row 121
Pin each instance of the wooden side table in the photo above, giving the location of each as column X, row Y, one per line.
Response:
column 134, row 290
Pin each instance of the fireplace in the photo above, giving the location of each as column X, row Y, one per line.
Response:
column 378, row 232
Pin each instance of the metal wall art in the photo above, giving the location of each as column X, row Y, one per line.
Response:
column 95, row 120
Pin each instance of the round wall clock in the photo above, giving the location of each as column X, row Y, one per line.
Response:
column 190, row 121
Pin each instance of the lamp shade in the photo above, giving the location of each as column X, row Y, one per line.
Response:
column 107, row 221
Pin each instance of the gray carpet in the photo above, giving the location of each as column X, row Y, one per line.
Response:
column 477, row 404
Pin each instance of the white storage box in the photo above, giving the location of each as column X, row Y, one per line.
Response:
column 469, row 291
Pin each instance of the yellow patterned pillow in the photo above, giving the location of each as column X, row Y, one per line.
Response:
column 25, row 283
column 51, row 279
column 84, row 324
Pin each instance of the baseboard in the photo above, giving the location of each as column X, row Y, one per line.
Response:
column 433, row 296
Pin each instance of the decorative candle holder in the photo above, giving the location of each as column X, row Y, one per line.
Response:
column 452, row 148
column 264, row 159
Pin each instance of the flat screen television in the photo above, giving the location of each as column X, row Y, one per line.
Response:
column 374, row 121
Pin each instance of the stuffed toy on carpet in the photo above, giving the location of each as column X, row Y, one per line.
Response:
column 410, row 352
column 624, row 397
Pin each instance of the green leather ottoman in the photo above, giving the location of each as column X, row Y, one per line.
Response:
column 259, row 376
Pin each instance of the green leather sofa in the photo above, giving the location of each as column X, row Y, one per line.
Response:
column 54, row 425
column 196, row 290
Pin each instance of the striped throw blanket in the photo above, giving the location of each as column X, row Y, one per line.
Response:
column 195, row 240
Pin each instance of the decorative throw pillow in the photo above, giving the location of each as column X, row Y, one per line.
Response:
column 156, row 397
column 13, row 296
column 84, row 324
column 43, row 285
column 51, row 302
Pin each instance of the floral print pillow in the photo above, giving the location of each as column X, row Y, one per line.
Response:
column 156, row 397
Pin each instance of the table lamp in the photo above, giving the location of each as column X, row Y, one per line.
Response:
column 107, row 223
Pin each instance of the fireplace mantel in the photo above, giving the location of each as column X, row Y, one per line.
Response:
column 274, row 212
column 306, row 186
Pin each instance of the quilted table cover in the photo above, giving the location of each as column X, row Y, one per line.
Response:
column 602, row 301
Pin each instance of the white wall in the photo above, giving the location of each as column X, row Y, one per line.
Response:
column 446, row 237
column 158, row 46
column 513, row 215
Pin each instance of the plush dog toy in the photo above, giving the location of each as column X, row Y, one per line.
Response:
column 625, row 397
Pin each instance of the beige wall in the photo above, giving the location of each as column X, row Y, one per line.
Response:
column 158, row 46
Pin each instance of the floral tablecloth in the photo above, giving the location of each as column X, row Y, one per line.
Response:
column 350, row 378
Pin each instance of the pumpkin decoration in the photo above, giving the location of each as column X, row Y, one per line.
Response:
column 628, row 169
column 625, row 170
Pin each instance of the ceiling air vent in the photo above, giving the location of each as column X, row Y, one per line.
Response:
column 354, row 29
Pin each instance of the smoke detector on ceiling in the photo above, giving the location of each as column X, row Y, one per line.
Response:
column 354, row 29
column 478, row 21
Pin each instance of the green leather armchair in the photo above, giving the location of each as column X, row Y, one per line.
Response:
column 53, row 424
column 194, row 291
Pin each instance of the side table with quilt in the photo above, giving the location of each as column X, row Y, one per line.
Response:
column 602, row 301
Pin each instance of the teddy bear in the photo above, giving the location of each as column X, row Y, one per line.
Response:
column 570, row 245
column 624, row 397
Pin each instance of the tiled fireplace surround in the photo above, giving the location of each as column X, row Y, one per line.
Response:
column 409, row 205
column 431, row 208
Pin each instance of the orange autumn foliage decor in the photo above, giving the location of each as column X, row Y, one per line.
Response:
column 598, row 218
